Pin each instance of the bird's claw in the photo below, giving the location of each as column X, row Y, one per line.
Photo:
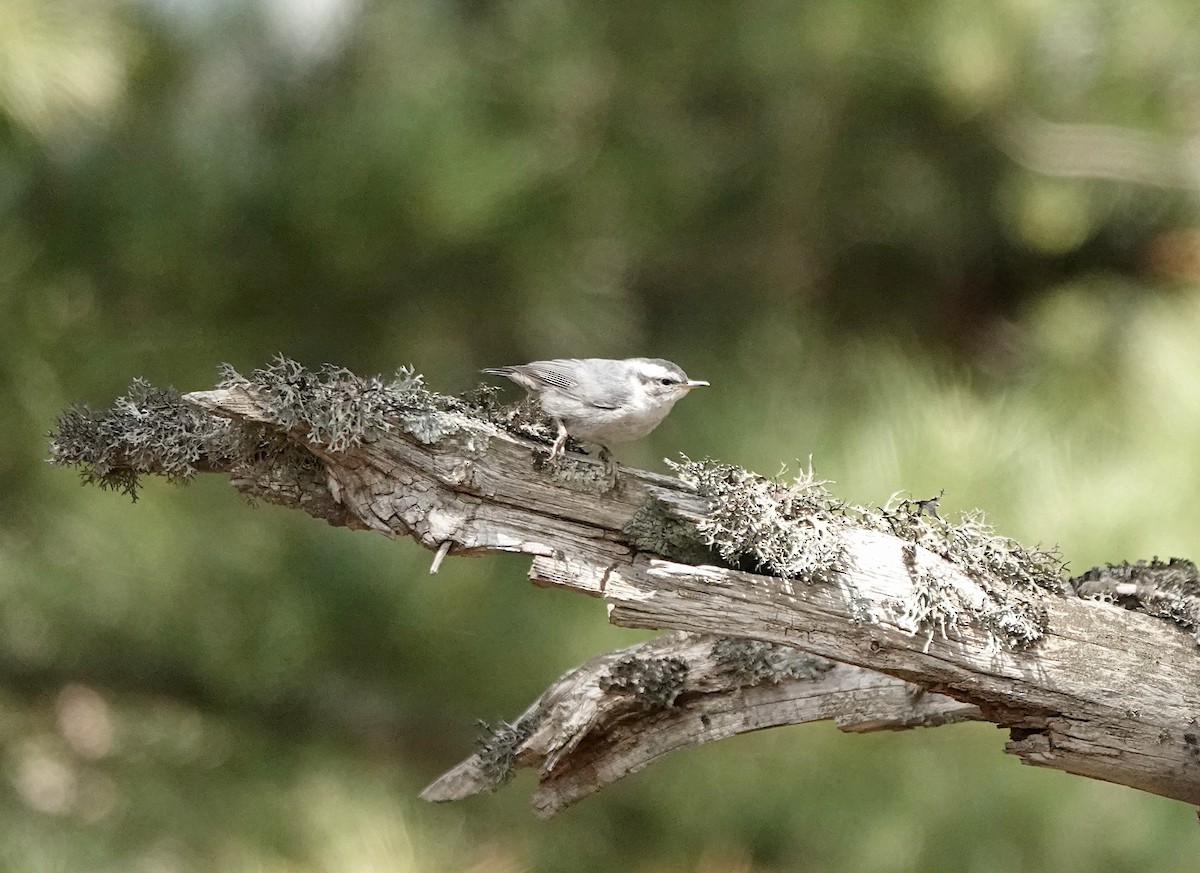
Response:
column 558, row 453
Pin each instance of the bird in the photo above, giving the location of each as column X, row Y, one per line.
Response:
column 600, row 400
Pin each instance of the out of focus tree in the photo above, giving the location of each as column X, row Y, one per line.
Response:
column 837, row 212
column 63, row 65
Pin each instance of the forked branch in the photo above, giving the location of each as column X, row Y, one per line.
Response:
column 793, row 606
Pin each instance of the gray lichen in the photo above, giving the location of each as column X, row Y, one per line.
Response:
column 786, row 529
column 498, row 746
column 1018, row 623
column 795, row 530
column 339, row 410
column 933, row 605
column 576, row 474
column 524, row 418
column 654, row 682
column 148, row 431
column 267, row 465
column 654, row 529
column 155, row 431
column 971, row 544
column 752, row 662
column 1011, row 576
column 1165, row 589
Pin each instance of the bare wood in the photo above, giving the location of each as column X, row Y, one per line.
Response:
column 1104, row 693
column 588, row 729
column 1107, row 694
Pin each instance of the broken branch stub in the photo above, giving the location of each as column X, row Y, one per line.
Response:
column 913, row 618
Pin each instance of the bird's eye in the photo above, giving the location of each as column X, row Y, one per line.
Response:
column 666, row 380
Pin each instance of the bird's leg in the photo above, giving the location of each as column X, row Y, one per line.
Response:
column 558, row 450
column 610, row 467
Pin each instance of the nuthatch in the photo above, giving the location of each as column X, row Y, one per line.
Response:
column 602, row 401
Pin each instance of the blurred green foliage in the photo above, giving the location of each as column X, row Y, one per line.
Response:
column 831, row 210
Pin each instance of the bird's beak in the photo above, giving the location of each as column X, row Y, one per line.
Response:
column 695, row 383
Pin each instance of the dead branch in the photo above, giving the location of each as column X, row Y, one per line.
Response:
column 621, row 711
column 795, row 607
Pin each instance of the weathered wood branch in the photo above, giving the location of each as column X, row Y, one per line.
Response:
column 927, row 622
column 621, row 711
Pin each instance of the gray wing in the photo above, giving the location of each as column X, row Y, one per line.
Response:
column 563, row 374
column 539, row 374
column 571, row 376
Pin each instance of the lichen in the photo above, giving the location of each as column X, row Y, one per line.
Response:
column 1165, row 589
column 971, row 544
column 786, row 529
column 527, row 420
column 498, row 746
column 1010, row 575
column 753, row 662
column 339, row 410
column 155, row 431
column 1018, row 623
column 654, row 529
column 148, row 431
column 796, row 530
column 654, row 682
column 576, row 474
column 524, row 418
column 268, row 465
column 934, row 604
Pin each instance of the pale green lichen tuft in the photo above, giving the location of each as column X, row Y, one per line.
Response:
column 527, row 420
column 1019, row 623
column 795, row 530
column 971, row 544
column 155, row 431
column 1010, row 575
column 524, row 418
column 768, row 525
column 576, row 473
column 934, row 605
column 786, row 529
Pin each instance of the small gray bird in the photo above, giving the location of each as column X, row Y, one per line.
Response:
column 602, row 401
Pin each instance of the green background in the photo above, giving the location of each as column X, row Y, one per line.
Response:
column 854, row 219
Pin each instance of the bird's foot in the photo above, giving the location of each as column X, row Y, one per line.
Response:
column 556, row 462
column 610, row 468
column 560, row 443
